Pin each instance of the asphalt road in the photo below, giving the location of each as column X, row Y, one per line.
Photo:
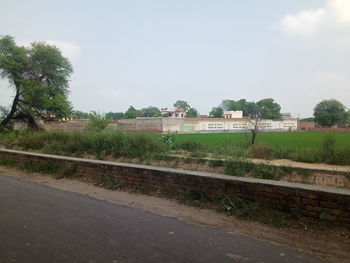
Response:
column 42, row 224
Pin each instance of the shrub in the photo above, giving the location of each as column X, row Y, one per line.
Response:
column 97, row 122
column 107, row 142
column 238, row 167
column 261, row 151
column 190, row 146
column 169, row 139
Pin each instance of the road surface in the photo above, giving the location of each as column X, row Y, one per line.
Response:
column 42, row 224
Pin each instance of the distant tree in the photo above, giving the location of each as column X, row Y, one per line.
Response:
column 114, row 115
column 192, row 113
column 216, row 112
column 307, row 119
column 149, row 112
column 182, row 104
column 330, row 112
column 80, row 115
column 40, row 77
column 131, row 113
column 269, row 109
column 233, row 105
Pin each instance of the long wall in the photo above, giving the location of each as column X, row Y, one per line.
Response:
column 306, row 200
column 203, row 125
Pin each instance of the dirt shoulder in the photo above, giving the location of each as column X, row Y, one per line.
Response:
column 332, row 245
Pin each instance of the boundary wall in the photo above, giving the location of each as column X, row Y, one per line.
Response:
column 311, row 201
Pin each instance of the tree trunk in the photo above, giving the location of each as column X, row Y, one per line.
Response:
column 12, row 112
column 254, row 133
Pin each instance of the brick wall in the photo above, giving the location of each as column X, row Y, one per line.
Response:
column 307, row 200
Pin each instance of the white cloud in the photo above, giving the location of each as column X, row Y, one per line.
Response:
column 68, row 49
column 331, row 21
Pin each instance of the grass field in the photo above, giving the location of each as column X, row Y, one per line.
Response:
column 313, row 147
column 293, row 140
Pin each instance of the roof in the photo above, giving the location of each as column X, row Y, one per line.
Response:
column 176, row 110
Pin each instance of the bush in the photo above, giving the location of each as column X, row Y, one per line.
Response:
column 107, row 142
column 97, row 122
column 169, row 139
column 190, row 146
column 238, row 167
column 261, row 151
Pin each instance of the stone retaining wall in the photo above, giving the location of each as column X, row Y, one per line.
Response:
column 306, row 200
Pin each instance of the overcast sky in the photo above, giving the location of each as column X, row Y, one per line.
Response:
column 143, row 52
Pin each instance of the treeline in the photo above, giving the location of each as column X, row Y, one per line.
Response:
column 266, row 108
column 327, row 113
column 132, row 112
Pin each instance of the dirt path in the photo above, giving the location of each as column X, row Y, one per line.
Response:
column 332, row 245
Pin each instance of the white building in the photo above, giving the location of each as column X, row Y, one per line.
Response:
column 233, row 114
column 176, row 113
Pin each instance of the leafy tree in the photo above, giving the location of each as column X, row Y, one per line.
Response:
column 233, row 105
column 269, row 109
column 39, row 75
column 114, row 115
column 216, row 112
column 80, row 115
column 131, row 113
column 149, row 112
column 192, row 113
column 182, row 104
column 330, row 112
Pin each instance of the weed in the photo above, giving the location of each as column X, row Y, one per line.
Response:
column 287, row 169
column 324, row 215
column 7, row 162
column 264, row 171
column 216, row 163
column 112, row 183
column 253, row 211
column 169, row 139
column 261, row 151
column 238, row 167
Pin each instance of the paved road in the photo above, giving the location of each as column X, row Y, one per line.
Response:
column 41, row 224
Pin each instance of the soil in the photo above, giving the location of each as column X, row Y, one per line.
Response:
column 332, row 244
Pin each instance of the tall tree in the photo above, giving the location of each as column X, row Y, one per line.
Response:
column 192, row 113
column 131, row 113
column 183, row 105
column 330, row 112
column 39, row 75
column 269, row 109
column 149, row 112
column 216, row 112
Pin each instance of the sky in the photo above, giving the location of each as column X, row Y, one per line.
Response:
column 154, row 52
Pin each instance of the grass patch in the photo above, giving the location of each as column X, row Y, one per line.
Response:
column 253, row 211
column 111, row 182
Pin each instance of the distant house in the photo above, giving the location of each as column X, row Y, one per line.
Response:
column 176, row 113
column 233, row 114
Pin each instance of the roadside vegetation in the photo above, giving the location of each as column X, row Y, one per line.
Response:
column 312, row 147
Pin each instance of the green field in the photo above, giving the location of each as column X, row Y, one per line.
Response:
column 293, row 140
